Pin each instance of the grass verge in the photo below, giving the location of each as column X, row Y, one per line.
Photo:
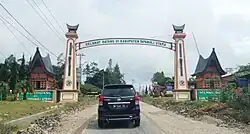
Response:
column 18, row 109
column 11, row 110
column 83, row 103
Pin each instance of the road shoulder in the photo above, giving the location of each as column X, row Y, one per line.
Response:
column 75, row 123
column 172, row 123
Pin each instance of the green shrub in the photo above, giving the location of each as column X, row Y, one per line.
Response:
column 87, row 88
column 238, row 102
column 5, row 93
column 11, row 98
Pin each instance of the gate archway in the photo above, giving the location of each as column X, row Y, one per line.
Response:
column 70, row 92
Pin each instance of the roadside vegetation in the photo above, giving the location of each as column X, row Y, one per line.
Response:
column 17, row 109
column 230, row 107
column 111, row 74
column 233, row 110
column 15, row 79
column 67, row 108
column 11, row 108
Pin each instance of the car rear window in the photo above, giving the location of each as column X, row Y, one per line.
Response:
column 121, row 90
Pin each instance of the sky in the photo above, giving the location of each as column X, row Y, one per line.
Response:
column 222, row 24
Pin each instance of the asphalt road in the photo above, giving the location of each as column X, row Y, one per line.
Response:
column 147, row 127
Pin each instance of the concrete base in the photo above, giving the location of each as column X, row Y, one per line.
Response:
column 182, row 95
column 69, row 96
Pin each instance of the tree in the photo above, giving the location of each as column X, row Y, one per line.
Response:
column 169, row 81
column 96, row 79
column 24, row 86
column 93, row 68
column 117, row 77
column 191, row 81
column 58, row 80
column 86, row 70
column 159, row 78
column 86, row 88
column 109, row 79
column 90, row 69
column 13, row 69
column 4, row 89
column 22, row 70
column 111, row 75
column 110, row 65
column 13, row 72
column 243, row 68
column 146, row 91
column 4, row 72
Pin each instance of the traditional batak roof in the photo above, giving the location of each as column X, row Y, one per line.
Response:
column 204, row 63
column 179, row 29
column 45, row 61
column 74, row 28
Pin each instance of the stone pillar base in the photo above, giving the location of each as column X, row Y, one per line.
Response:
column 68, row 95
column 182, row 95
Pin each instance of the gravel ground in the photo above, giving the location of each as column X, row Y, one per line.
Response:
column 72, row 124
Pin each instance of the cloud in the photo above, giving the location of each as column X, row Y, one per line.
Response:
column 214, row 25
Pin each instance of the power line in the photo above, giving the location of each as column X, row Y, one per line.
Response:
column 26, row 30
column 48, row 20
column 196, row 44
column 45, row 19
column 18, row 30
column 14, row 35
column 53, row 16
column 2, row 54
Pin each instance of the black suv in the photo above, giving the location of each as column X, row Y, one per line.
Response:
column 118, row 103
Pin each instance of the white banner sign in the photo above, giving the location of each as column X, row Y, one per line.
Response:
column 134, row 41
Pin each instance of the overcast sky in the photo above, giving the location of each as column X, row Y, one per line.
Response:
column 223, row 24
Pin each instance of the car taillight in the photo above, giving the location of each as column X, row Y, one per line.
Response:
column 101, row 98
column 137, row 99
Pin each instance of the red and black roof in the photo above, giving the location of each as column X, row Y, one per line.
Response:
column 45, row 61
column 203, row 64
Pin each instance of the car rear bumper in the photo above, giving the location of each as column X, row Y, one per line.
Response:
column 118, row 117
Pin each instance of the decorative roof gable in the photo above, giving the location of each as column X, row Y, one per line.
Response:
column 46, row 62
column 204, row 63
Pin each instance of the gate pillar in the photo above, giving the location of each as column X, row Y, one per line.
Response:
column 69, row 93
column 181, row 91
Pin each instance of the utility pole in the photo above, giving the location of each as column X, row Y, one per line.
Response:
column 80, row 69
column 103, row 80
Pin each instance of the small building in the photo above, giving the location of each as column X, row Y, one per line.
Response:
column 208, row 72
column 41, row 72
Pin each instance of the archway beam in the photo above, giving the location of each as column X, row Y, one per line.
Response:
column 125, row 41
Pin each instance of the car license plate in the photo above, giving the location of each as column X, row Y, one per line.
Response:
column 119, row 106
